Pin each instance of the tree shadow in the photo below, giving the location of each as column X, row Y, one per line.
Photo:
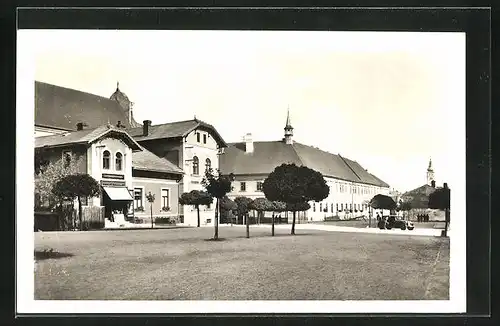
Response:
column 50, row 254
column 219, row 239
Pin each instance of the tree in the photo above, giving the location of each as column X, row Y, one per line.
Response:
column 47, row 174
column 440, row 199
column 151, row 199
column 243, row 207
column 77, row 186
column 404, row 206
column 196, row 198
column 277, row 207
column 217, row 185
column 383, row 202
column 227, row 209
column 294, row 186
column 262, row 205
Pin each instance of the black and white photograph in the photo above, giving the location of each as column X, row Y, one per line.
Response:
column 210, row 171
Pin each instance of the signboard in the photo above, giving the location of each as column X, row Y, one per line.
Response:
column 113, row 176
column 195, row 182
column 107, row 183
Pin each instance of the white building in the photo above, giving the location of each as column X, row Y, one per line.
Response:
column 351, row 186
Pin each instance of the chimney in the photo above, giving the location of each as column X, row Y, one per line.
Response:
column 248, row 143
column 119, row 124
column 145, row 127
column 445, row 185
column 433, row 184
column 80, row 125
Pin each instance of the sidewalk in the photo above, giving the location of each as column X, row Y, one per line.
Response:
column 420, row 232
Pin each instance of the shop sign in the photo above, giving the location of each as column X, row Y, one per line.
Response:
column 108, row 183
column 113, row 176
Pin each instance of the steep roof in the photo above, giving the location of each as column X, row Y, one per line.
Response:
column 86, row 136
column 267, row 155
column 173, row 130
column 62, row 108
column 147, row 161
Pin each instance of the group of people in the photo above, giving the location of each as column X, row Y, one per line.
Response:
column 423, row 218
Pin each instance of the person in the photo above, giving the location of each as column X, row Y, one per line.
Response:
column 378, row 217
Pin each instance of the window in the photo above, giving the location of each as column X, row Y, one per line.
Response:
column 331, row 208
column 314, row 207
column 341, row 207
column 204, row 138
column 350, row 207
column 326, row 207
column 208, row 164
column 66, row 159
column 165, row 202
column 196, row 166
column 118, row 162
column 320, row 207
column 337, row 206
column 105, row 160
column 138, row 198
column 259, row 186
column 198, row 137
column 243, row 186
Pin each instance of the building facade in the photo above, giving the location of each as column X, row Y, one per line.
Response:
column 351, row 186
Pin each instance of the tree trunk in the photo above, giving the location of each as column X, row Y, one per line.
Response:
column 293, row 223
column 151, row 206
column 198, row 211
column 216, row 222
column 272, row 225
column 80, row 212
column 248, row 225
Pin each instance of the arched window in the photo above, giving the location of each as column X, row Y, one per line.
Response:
column 196, row 166
column 118, row 161
column 105, row 160
column 208, row 164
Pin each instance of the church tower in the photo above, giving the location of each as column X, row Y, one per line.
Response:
column 126, row 104
column 288, row 130
column 430, row 173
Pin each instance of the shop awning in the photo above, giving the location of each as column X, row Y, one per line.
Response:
column 118, row 193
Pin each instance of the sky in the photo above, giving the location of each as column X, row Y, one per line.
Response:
column 390, row 101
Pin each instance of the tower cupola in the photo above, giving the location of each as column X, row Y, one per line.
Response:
column 288, row 130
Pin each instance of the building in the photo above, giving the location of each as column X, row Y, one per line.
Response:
column 165, row 159
column 60, row 109
column 125, row 170
column 351, row 185
column 419, row 197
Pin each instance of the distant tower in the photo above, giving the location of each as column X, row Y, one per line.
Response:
column 125, row 103
column 430, row 173
column 288, row 130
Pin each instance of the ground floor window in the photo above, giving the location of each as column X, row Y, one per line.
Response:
column 165, row 199
column 138, row 204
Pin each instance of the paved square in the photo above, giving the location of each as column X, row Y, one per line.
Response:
column 180, row 264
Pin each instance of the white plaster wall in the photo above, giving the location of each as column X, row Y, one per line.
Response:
column 191, row 147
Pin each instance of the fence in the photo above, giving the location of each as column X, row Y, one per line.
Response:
column 66, row 218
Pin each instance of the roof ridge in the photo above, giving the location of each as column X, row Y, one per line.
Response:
column 297, row 153
column 343, row 159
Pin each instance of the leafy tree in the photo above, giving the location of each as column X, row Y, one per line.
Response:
column 243, row 207
column 77, row 186
column 47, row 174
column 196, row 198
column 404, row 206
column 262, row 205
column 151, row 199
column 294, row 186
column 217, row 185
column 383, row 202
column 227, row 209
column 440, row 199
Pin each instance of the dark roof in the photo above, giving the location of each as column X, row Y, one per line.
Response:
column 422, row 190
column 173, row 130
column 86, row 136
column 267, row 155
column 147, row 161
column 62, row 108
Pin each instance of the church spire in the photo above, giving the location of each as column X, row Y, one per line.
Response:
column 430, row 174
column 117, row 86
column 430, row 165
column 288, row 129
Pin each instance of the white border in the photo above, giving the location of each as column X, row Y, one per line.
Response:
column 25, row 243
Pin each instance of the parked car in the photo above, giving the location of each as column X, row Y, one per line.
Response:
column 395, row 222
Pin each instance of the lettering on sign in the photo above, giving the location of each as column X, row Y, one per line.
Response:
column 107, row 183
column 113, row 176
column 195, row 182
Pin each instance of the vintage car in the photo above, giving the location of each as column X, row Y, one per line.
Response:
column 395, row 222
